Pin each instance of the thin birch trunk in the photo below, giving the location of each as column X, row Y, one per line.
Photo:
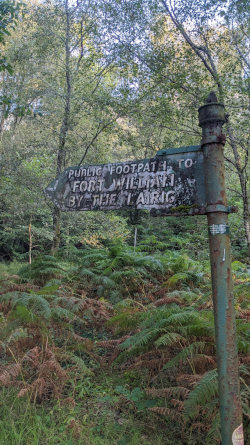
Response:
column 61, row 154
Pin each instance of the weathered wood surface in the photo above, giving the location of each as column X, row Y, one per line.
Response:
column 172, row 181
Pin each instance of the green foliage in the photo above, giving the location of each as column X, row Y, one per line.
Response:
column 166, row 337
column 165, row 328
column 42, row 269
column 205, row 397
column 136, row 397
column 117, row 270
column 203, row 393
column 9, row 12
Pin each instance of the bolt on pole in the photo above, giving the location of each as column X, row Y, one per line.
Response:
column 211, row 119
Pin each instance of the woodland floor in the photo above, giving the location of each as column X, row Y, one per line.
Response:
column 113, row 347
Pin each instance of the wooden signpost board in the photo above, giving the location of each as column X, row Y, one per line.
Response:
column 178, row 181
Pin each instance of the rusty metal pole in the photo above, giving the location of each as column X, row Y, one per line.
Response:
column 211, row 119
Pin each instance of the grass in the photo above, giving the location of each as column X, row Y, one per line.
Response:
column 89, row 422
column 9, row 268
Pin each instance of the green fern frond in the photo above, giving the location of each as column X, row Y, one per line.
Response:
column 213, row 434
column 244, row 370
column 204, row 392
column 79, row 362
column 104, row 280
column 186, row 354
column 43, row 268
column 16, row 334
column 126, row 274
column 169, row 339
column 184, row 317
column 87, row 272
column 150, row 262
column 201, row 329
column 176, row 278
column 139, row 340
column 128, row 319
column 61, row 313
column 37, row 304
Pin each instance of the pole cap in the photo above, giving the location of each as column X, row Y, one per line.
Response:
column 212, row 111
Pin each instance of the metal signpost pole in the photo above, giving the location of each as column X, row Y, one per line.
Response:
column 211, row 119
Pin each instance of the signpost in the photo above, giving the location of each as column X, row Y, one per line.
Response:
column 178, row 181
column 172, row 180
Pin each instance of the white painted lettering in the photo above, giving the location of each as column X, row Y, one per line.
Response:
column 79, row 200
column 153, row 163
column 133, row 186
column 91, row 186
column 154, row 197
column 140, row 199
column 118, row 183
column 112, row 199
column 164, row 165
column 172, row 180
column 101, row 182
column 72, row 201
column 95, row 200
column 170, row 197
column 140, row 167
column 140, row 183
column 188, row 163
column 75, row 185
column 106, row 197
column 83, row 186
column 127, row 183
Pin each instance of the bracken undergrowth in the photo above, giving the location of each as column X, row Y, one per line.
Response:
column 116, row 346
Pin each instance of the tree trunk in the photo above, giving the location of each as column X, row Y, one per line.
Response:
column 30, row 243
column 56, row 229
column 61, row 154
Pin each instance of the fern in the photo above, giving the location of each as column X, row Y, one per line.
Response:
column 186, row 354
column 204, row 392
column 41, row 270
column 59, row 313
column 169, row 339
column 87, row 272
column 37, row 304
column 213, row 434
column 79, row 363
column 174, row 391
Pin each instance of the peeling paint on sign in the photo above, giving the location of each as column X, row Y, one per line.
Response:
column 163, row 182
